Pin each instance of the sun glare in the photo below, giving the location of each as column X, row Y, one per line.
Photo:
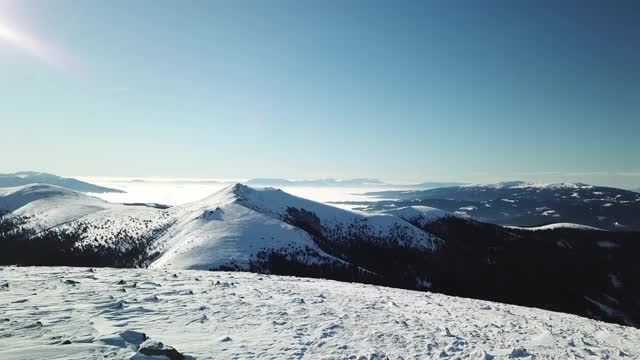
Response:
column 21, row 40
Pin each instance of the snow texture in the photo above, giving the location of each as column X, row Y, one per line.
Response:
column 109, row 313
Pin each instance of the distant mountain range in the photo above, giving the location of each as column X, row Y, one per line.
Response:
column 275, row 182
column 520, row 203
column 564, row 267
column 32, row 177
column 318, row 182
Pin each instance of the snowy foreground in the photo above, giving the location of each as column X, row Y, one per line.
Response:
column 79, row 313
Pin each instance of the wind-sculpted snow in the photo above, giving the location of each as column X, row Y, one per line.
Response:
column 79, row 313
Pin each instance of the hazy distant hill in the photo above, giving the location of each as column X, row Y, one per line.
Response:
column 32, row 177
column 360, row 182
column 316, row 182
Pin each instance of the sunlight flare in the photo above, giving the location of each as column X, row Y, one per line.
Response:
column 28, row 43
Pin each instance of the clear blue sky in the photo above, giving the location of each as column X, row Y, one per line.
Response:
column 459, row 90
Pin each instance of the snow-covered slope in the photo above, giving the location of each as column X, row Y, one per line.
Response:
column 279, row 204
column 530, row 185
column 49, row 207
column 420, row 215
column 32, row 177
column 75, row 313
column 557, row 226
column 231, row 235
column 14, row 198
column 235, row 224
column 231, row 228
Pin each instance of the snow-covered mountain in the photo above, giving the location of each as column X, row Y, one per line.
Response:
column 563, row 267
column 222, row 231
column 238, row 224
column 50, row 206
column 520, row 203
column 32, row 177
column 233, row 228
column 80, row 313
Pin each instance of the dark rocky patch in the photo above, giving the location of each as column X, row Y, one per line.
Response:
column 156, row 348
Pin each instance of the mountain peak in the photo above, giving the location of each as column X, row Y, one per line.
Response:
column 240, row 189
column 236, row 193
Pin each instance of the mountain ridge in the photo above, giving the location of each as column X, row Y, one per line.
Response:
column 356, row 182
column 519, row 203
column 33, row 177
column 270, row 231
